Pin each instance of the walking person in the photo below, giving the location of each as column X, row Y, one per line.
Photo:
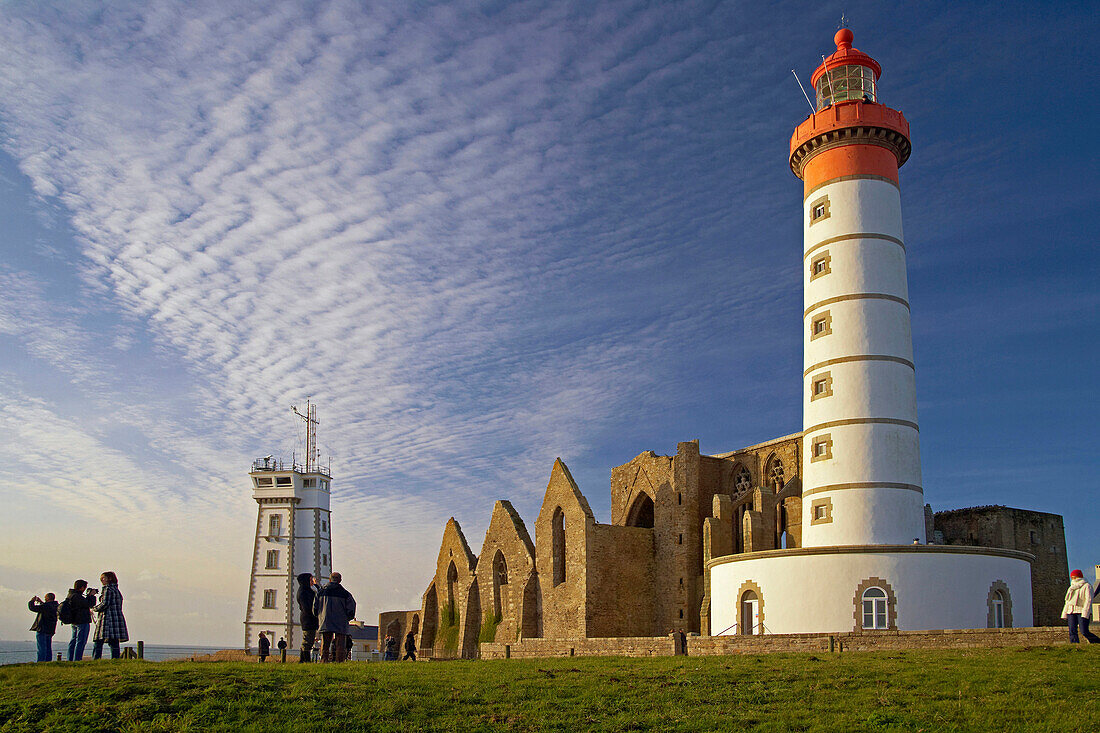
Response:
column 45, row 624
column 410, row 647
column 334, row 608
column 1078, row 608
column 391, row 649
column 265, row 646
column 76, row 610
column 307, row 596
column 282, row 649
column 110, row 624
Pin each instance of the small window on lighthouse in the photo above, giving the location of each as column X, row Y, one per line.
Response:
column 269, row 598
column 275, row 525
column 820, row 265
column 822, row 449
column 272, row 560
column 822, row 325
column 822, row 386
column 819, row 210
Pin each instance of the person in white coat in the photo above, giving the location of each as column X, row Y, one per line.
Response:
column 1078, row 608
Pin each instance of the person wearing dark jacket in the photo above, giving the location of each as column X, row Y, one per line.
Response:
column 80, row 615
column 264, row 645
column 307, row 596
column 45, row 624
column 334, row 608
column 410, row 647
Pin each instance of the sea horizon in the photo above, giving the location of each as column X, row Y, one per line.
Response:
column 20, row 651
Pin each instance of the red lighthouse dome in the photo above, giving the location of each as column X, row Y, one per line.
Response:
column 851, row 133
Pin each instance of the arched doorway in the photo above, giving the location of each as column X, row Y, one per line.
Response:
column 641, row 512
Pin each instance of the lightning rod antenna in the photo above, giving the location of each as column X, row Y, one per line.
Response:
column 804, row 94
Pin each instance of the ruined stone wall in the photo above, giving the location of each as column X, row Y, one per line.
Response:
column 562, row 533
column 504, row 568
column 620, row 582
column 1039, row 533
column 451, row 610
column 647, row 646
column 397, row 624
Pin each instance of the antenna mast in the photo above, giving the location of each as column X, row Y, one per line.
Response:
column 310, row 417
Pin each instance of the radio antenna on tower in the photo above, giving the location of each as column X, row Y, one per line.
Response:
column 310, row 418
column 807, row 96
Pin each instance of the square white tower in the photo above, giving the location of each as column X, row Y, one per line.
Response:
column 293, row 536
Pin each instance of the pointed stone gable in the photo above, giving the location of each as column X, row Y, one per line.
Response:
column 562, row 491
column 504, row 525
column 455, row 547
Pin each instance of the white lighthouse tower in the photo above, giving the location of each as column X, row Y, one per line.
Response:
column 862, row 480
column 863, row 565
column 293, row 536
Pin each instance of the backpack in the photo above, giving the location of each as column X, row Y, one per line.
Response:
column 65, row 612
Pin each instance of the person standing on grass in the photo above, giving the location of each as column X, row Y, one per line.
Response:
column 410, row 647
column 282, row 649
column 265, row 646
column 391, row 649
column 334, row 608
column 110, row 624
column 76, row 609
column 307, row 596
column 45, row 624
column 1078, row 608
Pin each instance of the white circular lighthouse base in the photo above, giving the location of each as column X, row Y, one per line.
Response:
column 821, row 589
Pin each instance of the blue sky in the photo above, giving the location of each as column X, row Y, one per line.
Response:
column 483, row 235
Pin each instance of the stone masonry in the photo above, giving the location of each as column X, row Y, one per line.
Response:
column 640, row 578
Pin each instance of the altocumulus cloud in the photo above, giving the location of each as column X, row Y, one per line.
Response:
column 407, row 211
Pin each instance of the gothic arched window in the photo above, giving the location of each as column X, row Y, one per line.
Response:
column 558, row 556
column 742, row 480
column 773, row 474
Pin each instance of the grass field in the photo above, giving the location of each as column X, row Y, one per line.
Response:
column 1056, row 689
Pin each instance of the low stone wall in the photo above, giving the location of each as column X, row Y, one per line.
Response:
column 628, row 646
column 877, row 640
column 702, row 646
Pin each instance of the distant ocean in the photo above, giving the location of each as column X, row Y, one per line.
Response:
column 17, row 652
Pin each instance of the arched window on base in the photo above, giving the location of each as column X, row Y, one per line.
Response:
column 999, row 606
column 876, row 606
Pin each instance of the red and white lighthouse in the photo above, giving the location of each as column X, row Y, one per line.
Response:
column 863, row 564
column 862, row 478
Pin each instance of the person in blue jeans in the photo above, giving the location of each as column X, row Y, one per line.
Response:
column 79, row 604
column 45, row 624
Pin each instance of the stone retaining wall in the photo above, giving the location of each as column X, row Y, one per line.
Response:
column 629, row 646
column 701, row 646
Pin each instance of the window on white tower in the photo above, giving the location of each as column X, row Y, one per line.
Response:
column 324, row 559
column 820, row 511
column 272, row 559
column 874, row 609
column 275, row 525
column 998, row 610
column 269, row 598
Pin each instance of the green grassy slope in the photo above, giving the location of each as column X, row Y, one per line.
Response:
column 1008, row 689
